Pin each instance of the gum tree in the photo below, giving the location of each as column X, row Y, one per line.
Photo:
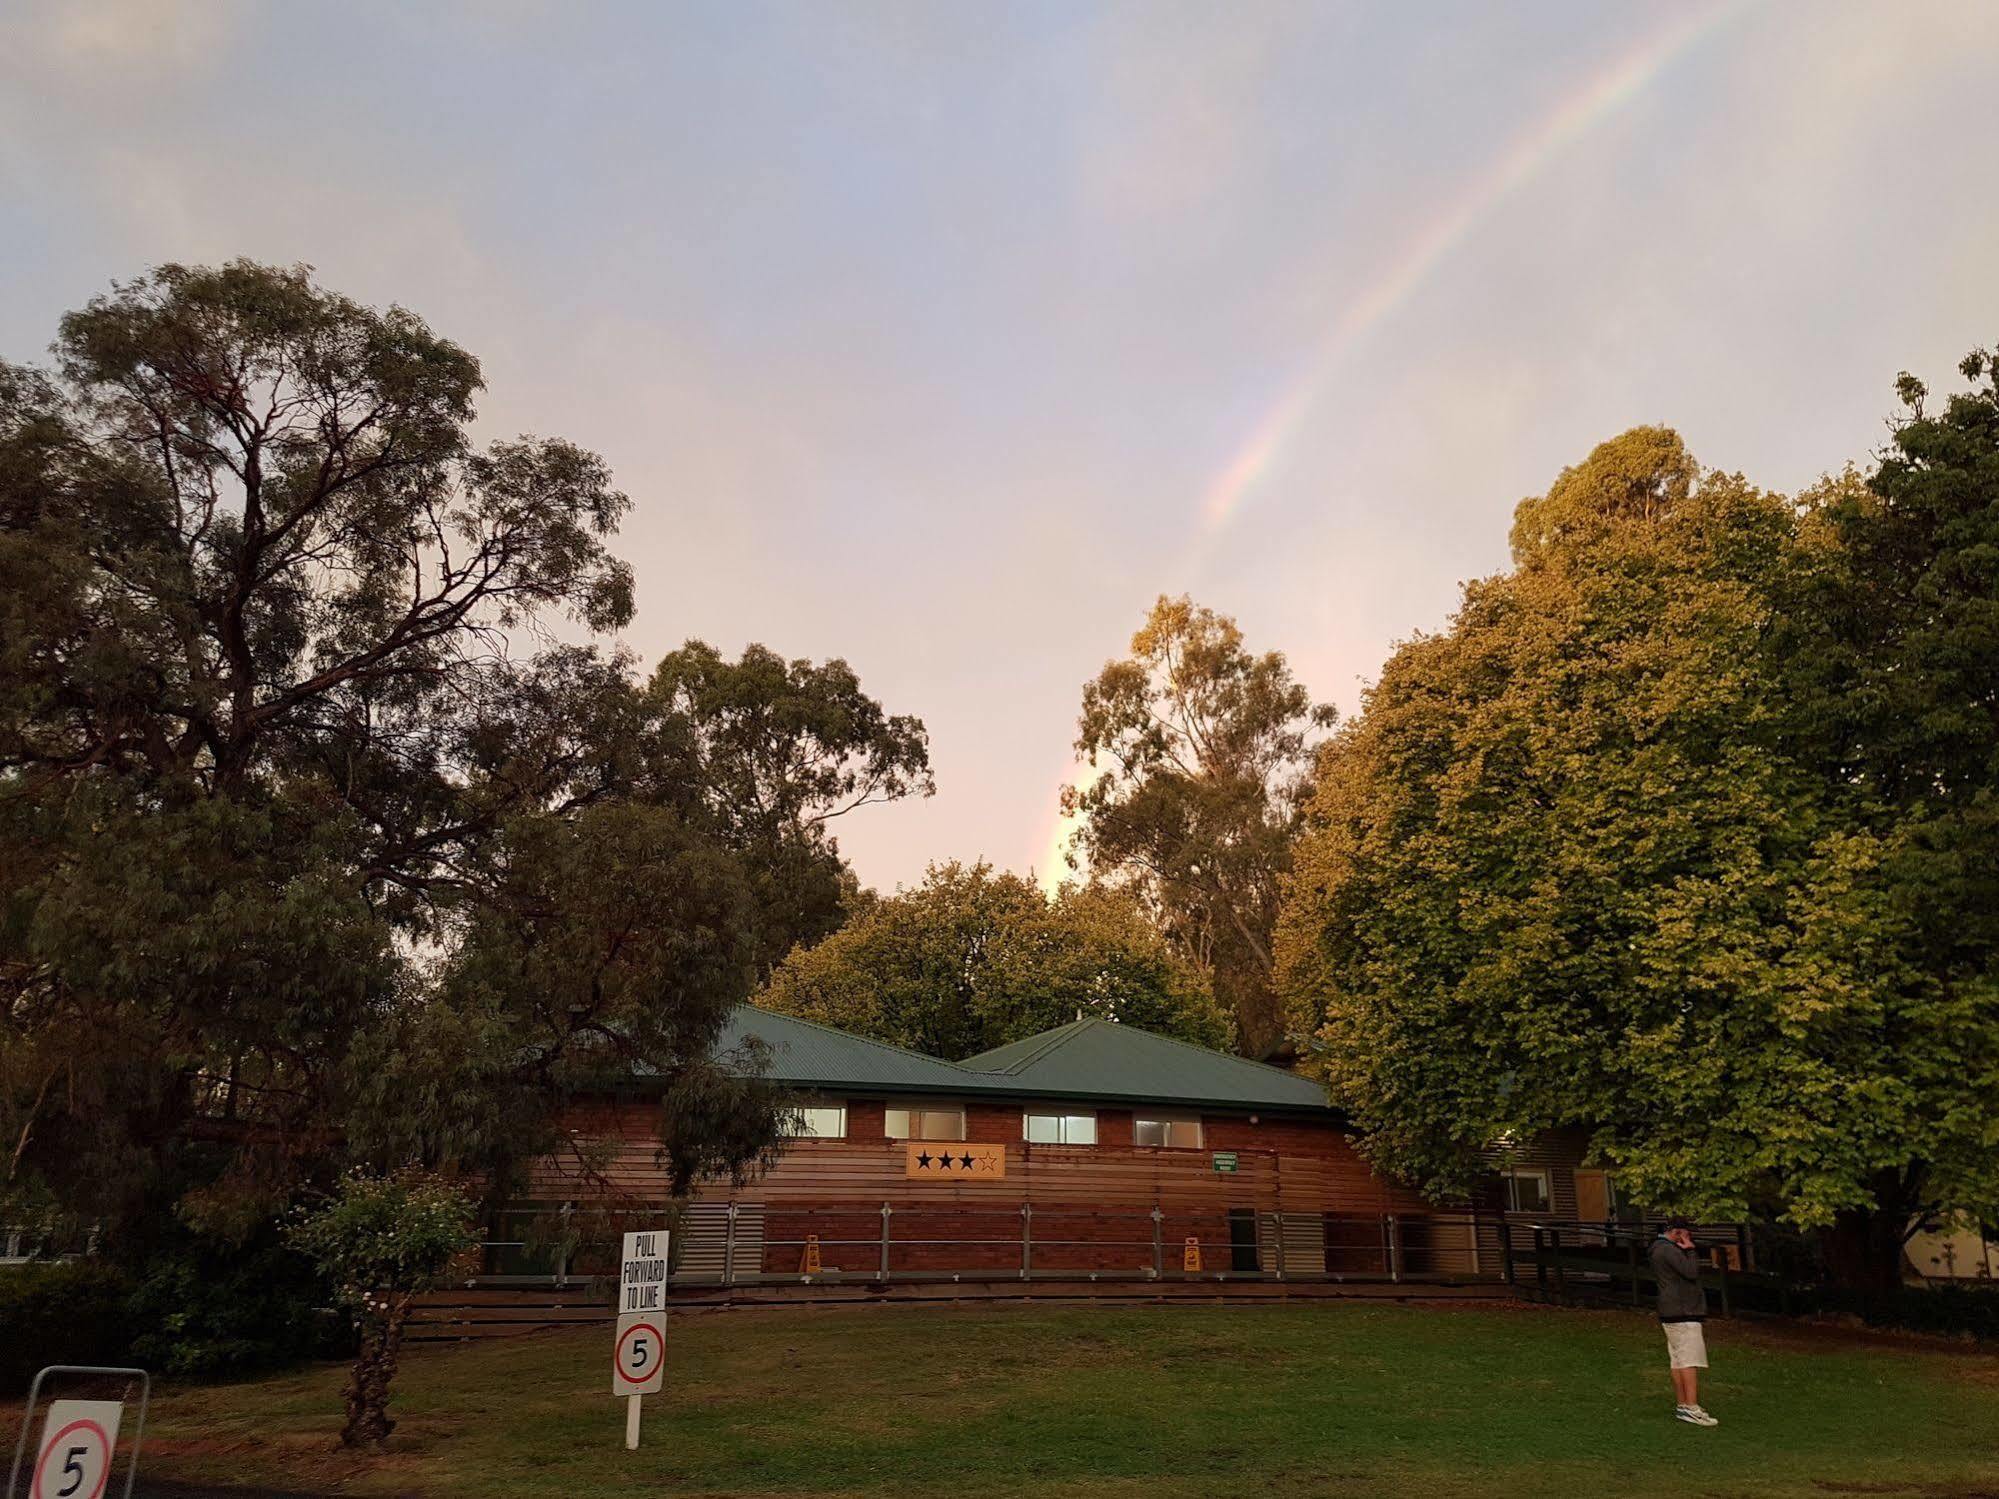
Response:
column 1201, row 754
column 289, row 745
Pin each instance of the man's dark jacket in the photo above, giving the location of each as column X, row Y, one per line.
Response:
column 1681, row 1298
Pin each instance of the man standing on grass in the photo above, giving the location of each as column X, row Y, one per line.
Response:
column 1682, row 1309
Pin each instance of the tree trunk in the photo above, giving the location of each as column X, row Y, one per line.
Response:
column 1863, row 1248
column 367, row 1392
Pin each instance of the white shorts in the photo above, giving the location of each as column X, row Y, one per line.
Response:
column 1686, row 1345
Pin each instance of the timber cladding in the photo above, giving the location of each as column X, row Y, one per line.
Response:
column 1292, row 1164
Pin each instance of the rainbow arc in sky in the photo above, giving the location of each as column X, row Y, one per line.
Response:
column 1567, row 121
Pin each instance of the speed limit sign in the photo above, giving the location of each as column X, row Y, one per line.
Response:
column 639, row 1365
column 74, row 1458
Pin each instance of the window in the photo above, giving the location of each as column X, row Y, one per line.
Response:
column 1059, row 1129
column 1175, row 1131
column 1619, row 1202
column 817, row 1123
column 1526, row 1191
column 926, row 1124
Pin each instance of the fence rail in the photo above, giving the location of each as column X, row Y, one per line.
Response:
column 761, row 1243
column 1576, row 1261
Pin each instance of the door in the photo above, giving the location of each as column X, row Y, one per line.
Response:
column 1242, row 1241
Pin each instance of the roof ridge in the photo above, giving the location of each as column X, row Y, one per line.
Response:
column 834, row 1030
column 1036, row 1047
column 1206, row 1051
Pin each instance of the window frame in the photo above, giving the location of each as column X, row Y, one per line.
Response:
column 1063, row 1120
column 1514, row 1174
column 800, row 1111
column 1169, row 1119
column 914, row 1110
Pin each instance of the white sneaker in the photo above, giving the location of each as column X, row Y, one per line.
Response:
column 1693, row 1415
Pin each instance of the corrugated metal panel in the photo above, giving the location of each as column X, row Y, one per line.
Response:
column 1100, row 1059
column 707, row 1253
column 1087, row 1059
column 803, row 1053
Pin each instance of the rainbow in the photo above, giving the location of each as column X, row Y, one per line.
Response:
column 1524, row 157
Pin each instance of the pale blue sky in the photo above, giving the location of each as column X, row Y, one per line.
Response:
column 923, row 334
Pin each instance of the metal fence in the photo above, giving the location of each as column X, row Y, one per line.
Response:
column 742, row 1243
column 1610, row 1263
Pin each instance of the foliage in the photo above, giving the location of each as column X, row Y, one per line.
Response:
column 609, row 945
column 974, row 957
column 1576, row 864
column 378, row 1241
column 209, row 1309
column 377, row 1235
column 60, row 1312
column 1200, row 753
column 1964, row 1311
column 255, row 707
column 291, row 825
column 1899, row 700
column 784, row 749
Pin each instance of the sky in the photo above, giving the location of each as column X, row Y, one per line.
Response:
column 945, row 337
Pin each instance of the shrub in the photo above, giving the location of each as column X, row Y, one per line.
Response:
column 61, row 1312
column 379, row 1240
column 206, row 1310
column 1952, row 1309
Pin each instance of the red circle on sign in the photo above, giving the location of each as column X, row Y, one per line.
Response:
column 36, row 1491
column 618, row 1354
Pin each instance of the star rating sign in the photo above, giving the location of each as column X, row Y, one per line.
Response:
column 986, row 1161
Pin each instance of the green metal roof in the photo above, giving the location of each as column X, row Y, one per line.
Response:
column 805, row 1054
column 1094, row 1060
column 1100, row 1059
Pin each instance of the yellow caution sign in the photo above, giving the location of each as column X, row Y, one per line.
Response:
column 808, row 1262
column 1190, row 1258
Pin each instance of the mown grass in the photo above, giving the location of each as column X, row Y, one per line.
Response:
column 1120, row 1402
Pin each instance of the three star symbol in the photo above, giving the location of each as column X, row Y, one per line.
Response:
column 944, row 1162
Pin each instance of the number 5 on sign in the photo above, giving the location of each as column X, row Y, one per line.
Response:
column 74, row 1460
column 640, row 1365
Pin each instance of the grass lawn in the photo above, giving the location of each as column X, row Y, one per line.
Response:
column 1161, row 1402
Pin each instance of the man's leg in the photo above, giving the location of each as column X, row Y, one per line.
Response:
column 1686, row 1386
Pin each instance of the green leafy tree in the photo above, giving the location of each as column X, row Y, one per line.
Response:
column 607, row 946
column 380, row 1241
column 1899, row 701
column 279, row 785
column 784, row 749
column 1578, row 864
column 1201, row 753
column 974, row 957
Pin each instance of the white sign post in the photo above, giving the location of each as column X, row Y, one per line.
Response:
column 638, row 1360
column 74, row 1458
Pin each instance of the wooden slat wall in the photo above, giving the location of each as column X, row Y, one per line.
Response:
column 1293, row 1165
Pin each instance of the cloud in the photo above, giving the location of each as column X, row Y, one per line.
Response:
column 90, row 36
